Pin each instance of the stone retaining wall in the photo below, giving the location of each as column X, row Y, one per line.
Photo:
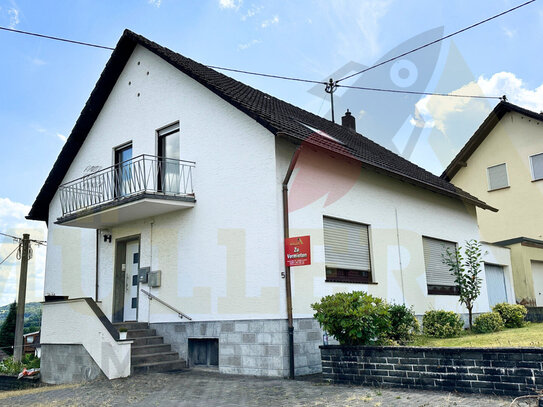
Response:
column 500, row 371
column 12, row 383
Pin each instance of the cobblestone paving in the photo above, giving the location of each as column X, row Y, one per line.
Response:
column 205, row 388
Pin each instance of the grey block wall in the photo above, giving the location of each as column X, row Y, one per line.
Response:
column 62, row 364
column 251, row 347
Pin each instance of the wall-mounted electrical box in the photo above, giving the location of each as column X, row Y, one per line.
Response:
column 154, row 278
column 143, row 272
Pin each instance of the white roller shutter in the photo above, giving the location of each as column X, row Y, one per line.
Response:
column 497, row 177
column 537, row 166
column 346, row 245
column 437, row 273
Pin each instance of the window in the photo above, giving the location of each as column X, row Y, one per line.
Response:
column 438, row 276
column 536, row 162
column 497, row 177
column 169, row 179
column 123, row 171
column 346, row 251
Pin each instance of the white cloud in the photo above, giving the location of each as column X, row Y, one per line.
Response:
column 13, row 17
column 254, row 10
column 37, row 61
column 271, row 21
column 510, row 33
column 62, row 137
column 243, row 47
column 230, row 4
column 436, row 111
column 13, row 222
column 155, row 3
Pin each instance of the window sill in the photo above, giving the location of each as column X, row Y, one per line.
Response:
column 499, row 189
column 350, row 282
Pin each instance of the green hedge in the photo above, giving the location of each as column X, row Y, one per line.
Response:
column 488, row 322
column 442, row 324
column 513, row 315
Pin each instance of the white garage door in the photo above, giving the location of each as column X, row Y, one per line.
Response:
column 537, row 272
column 495, row 283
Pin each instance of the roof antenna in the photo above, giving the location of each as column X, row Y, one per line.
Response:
column 331, row 87
column 504, row 98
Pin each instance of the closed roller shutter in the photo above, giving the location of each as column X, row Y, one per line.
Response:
column 346, row 245
column 497, row 177
column 437, row 273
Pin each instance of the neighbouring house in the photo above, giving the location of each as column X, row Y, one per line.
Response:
column 172, row 198
column 31, row 343
column 503, row 164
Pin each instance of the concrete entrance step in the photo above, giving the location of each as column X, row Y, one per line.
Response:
column 154, row 357
column 140, row 333
column 131, row 325
column 147, row 349
column 163, row 366
column 147, row 340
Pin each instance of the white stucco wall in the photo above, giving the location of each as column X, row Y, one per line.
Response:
column 326, row 186
column 216, row 258
column 73, row 322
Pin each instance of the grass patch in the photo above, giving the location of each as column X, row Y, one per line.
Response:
column 528, row 336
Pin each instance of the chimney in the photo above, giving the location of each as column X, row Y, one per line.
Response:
column 348, row 121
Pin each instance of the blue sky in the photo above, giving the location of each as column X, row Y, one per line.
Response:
column 44, row 84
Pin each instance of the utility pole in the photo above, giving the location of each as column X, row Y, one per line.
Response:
column 21, row 298
column 331, row 88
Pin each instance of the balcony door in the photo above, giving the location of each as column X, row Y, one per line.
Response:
column 123, row 171
column 169, row 166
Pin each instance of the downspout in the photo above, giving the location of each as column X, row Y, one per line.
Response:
column 293, row 161
column 97, row 263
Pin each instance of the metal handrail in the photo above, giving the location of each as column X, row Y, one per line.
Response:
column 141, row 174
column 154, row 297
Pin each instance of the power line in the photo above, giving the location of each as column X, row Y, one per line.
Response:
column 421, row 93
column 436, row 41
column 288, row 78
column 38, row 242
column 2, row 262
column 49, row 37
column 11, row 236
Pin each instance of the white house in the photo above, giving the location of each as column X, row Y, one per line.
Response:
column 172, row 197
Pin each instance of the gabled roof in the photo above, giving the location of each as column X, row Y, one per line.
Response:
column 482, row 132
column 279, row 117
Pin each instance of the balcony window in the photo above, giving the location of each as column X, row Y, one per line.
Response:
column 169, row 153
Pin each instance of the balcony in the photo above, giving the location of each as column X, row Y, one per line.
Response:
column 141, row 187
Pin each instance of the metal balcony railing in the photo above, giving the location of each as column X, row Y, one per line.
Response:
column 144, row 174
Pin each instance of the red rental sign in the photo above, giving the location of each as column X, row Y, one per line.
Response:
column 297, row 251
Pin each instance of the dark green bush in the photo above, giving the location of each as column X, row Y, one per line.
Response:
column 488, row 322
column 403, row 323
column 355, row 318
column 512, row 314
column 442, row 324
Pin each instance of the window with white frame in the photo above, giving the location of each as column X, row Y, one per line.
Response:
column 497, row 177
column 347, row 251
column 439, row 278
column 536, row 162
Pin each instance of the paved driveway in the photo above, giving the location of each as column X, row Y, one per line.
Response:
column 206, row 388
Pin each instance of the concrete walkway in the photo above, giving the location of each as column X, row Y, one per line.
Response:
column 208, row 388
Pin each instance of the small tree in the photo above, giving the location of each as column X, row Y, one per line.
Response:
column 7, row 332
column 466, row 273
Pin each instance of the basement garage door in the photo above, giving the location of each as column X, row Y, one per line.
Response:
column 537, row 273
column 495, row 283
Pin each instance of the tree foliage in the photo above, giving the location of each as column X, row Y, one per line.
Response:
column 7, row 332
column 466, row 273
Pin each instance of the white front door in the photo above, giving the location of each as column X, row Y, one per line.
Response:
column 537, row 273
column 495, row 284
column 131, row 281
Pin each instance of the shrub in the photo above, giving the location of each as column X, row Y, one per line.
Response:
column 403, row 323
column 355, row 318
column 442, row 324
column 488, row 322
column 512, row 314
column 9, row 367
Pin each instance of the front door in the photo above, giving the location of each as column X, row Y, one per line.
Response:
column 125, row 297
column 537, row 273
column 495, row 283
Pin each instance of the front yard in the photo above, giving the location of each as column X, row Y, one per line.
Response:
column 528, row 336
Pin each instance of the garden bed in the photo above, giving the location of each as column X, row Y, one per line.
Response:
column 12, row 383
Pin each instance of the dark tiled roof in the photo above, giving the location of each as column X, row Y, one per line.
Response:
column 482, row 132
column 277, row 116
